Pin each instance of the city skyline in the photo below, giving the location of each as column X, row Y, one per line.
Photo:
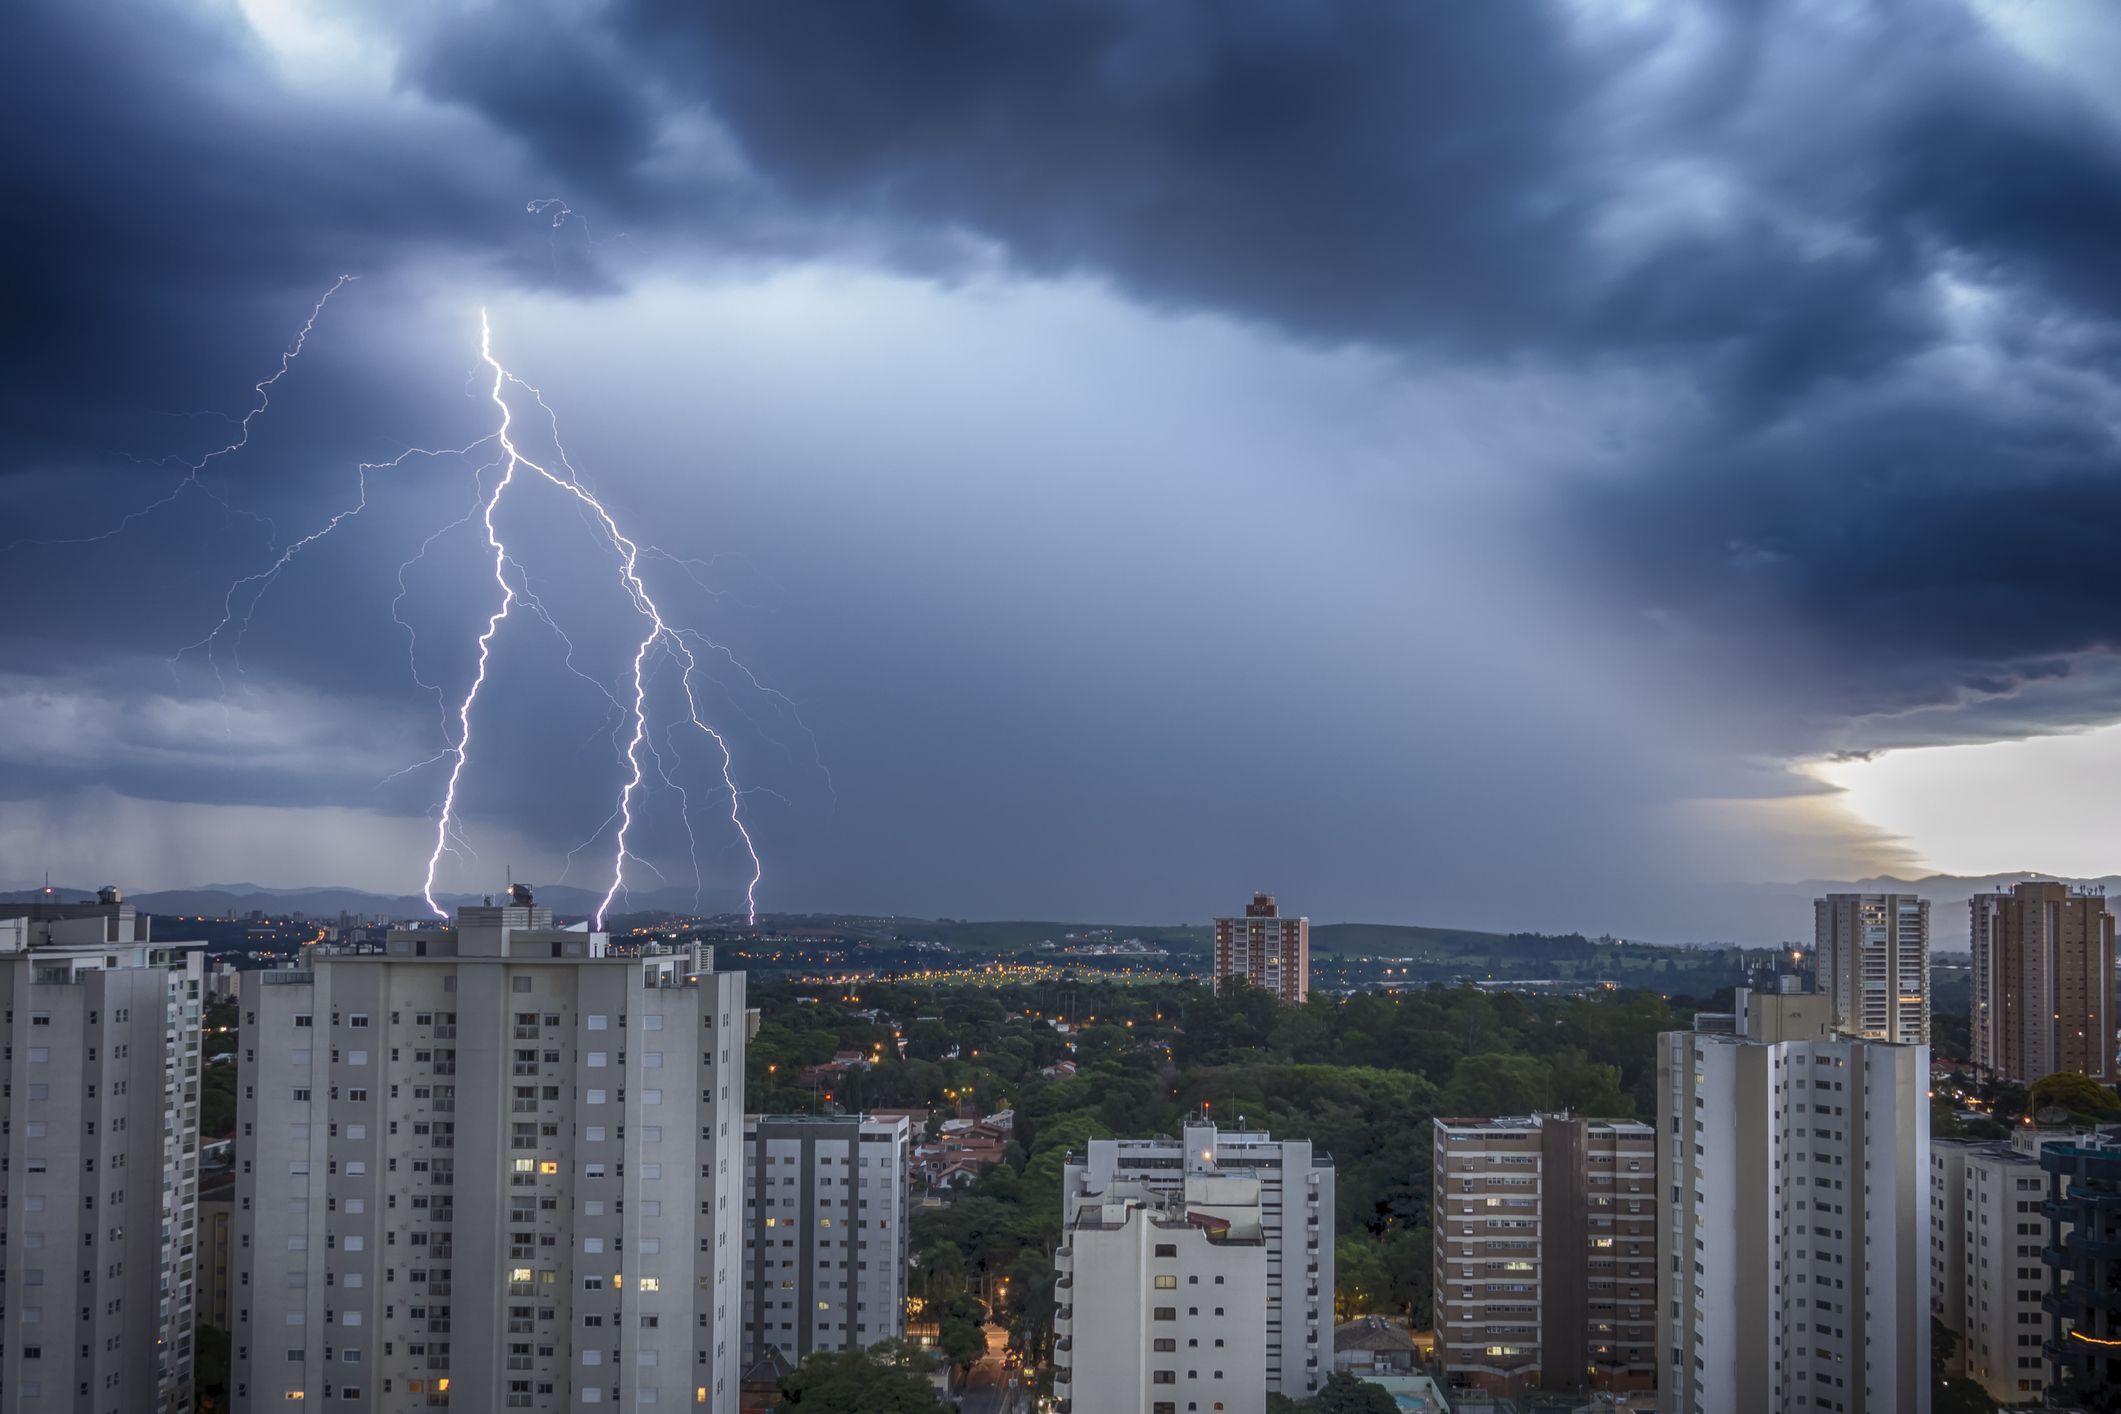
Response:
column 1686, row 523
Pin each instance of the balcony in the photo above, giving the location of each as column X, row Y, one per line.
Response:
column 2085, row 1245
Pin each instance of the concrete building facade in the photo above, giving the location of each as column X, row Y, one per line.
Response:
column 1873, row 954
column 1296, row 1217
column 2043, row 982
column 1544, row 1234
column 100, row 1075
column 1987, row 1277
column 1796, row 1167
column 1265, row 949
column 825, row 1242
column 490, row 1166
column 1163, row 1287
column 2083, row 1209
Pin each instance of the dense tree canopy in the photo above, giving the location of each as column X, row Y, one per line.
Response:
column 1361, row 1077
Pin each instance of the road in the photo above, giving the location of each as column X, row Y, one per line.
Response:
column 990, row 1386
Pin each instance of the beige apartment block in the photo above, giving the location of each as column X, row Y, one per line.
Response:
column 1545, row 1253
column 825, row 1240
column 491, row 1166
column 101, row 1078
column 1873, row 955
column 1986, row 1273
column 1796, row 1174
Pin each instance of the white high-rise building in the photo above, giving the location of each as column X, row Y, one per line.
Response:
column 1873, row 954
column 825, row 1215
column 494, row 1166
column 1797, row 1226
column 100, row 1076
column 1294, row 1206
column 1986, row 1273
column 1163, row 1288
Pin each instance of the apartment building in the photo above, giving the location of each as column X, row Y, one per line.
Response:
column 2043, row 982
column 1797, row 1223
column 490, row 1166
column 825, row 1212
column 2083, row 1209
column 1545, row 1253
column 1295, row 1215
column 1265, row 949
column 1873, row 955
column 1987, row 1276
column 100, row 1075
column 1162, row 1295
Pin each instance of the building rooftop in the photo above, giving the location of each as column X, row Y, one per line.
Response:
column 1473, row 1124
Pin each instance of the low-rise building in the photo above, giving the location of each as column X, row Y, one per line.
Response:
column 1374, row 1345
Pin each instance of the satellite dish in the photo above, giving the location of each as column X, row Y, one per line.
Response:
column 2051, row 1114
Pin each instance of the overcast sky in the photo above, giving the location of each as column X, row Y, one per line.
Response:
column 1503, row 465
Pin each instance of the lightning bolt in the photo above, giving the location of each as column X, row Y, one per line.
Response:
column 263, row 389
column 659, row 637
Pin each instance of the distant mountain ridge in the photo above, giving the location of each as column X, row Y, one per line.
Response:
column 330, row 900
column 1752, row 915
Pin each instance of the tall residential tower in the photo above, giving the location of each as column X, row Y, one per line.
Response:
column 1873, row 953
column 493, row 1166
column 1266, row 949
column 1797, row 1233
column 2043, row 982
column 101, row 1082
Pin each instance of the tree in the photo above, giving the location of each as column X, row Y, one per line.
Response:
column 1490, row 1085
column 1342, row 1393
column 1027, row 1306
column 885, row 1381
column 961, row 1341
column 1359, row 1278
column 2082, row 1096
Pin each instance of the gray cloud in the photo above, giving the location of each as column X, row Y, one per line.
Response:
column 1779, row 342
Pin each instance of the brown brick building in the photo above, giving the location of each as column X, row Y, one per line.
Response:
column 1267, row 950
column 2043, row 982
column 1545, row 1231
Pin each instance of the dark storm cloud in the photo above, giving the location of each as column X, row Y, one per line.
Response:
column 1758, row 203
column 175, row 205
column 1754, row 203
column 1849, row 268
